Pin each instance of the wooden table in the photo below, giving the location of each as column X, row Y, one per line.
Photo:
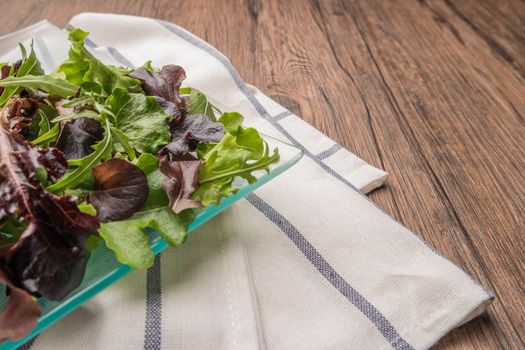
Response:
column 431, row 91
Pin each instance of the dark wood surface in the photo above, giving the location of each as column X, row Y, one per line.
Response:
column 431, row 91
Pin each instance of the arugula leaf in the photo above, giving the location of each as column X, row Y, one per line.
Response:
column 50, row 136
column 46, row 113
column 29, row 66
column 240, row 155
column 141, row 119
column 46, row 83
column 83, row 69
column 102, row 150
column 122, row 143
column 86, row 113
column 232, row 121
column 80, row 101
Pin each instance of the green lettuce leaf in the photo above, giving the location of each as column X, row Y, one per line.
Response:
column 147, row 162
column 141, row 119
column 240, row 153
column 199, row 103
column 83, row 69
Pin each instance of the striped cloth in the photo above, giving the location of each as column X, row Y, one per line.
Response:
column 307, row 262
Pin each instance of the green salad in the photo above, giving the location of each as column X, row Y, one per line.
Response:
column 95, row 154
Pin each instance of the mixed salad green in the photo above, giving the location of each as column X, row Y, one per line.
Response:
column 93, row 152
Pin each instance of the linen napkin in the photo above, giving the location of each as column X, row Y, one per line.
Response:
column 307, row 262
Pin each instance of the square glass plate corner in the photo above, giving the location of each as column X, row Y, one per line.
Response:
column 103, row 269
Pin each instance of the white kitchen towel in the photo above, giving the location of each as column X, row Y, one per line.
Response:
column 307, row 262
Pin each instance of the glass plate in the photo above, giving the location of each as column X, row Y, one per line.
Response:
column 103, row 269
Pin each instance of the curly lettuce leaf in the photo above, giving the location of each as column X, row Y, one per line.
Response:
column 49, row 258
column 18, row 115
column 164, row 85
column 182, row 179
column 21, row 313
column 85, row 70
column 141, row 119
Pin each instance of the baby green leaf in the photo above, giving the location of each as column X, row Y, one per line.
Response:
column 29, row 66
column 76, row 115
column 46, row 83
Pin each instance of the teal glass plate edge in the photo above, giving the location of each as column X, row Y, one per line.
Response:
column 76, row 299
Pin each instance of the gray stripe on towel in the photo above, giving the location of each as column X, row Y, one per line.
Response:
column 282, row 115
column 329, row 152
column 153, row 328
column 119, row 57
column 328, row 272
column 382, row 324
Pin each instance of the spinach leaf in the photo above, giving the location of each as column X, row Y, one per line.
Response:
column 147, row 162
column 141, row 119
column 199, row 104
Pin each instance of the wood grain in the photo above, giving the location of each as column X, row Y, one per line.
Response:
column 431, row 91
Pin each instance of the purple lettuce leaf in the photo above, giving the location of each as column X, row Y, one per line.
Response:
column 49, row 258
column 193, row 129
column 77, row 137
column 182, row 179
column 21, row 313
column 121, row 189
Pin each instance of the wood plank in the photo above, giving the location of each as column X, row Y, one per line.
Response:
column 467, row 135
